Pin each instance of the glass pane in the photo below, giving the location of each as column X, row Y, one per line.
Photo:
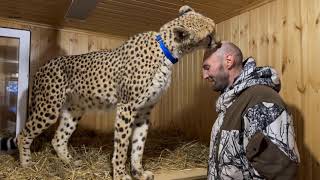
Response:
column 9, row 66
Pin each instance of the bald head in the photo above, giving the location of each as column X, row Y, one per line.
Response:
column 222, row 65
column 226, row 48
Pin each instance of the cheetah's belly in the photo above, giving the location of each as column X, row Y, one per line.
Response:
column 87, row 103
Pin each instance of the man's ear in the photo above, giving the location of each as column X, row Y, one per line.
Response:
column 180, row 34
column 230, row 61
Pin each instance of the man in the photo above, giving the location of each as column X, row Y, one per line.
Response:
column 253, row 135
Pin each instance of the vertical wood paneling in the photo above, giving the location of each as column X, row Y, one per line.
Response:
column 64, row 43
column 219, row 31
column 293, row 76
column 227, row 34
column 244, row 33
column 315, row 110
column 235, row 38
column 196, row 83
column 189, row 99
column 311, row 32
column 274, row 35
column 285, row 34
column 253, row 29
column 262, row 30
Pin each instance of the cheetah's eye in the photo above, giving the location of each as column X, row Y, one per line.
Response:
column 181, row 34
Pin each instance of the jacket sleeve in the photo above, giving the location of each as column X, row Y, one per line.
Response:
column 269, row 141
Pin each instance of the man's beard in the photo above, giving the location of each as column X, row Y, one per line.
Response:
column 220, row 82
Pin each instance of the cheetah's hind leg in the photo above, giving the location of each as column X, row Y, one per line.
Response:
column 70, row 117
column 36, row 124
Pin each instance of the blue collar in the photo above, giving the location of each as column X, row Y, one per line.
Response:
column 165, row 50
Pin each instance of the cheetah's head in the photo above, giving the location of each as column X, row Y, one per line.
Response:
column 188, row 32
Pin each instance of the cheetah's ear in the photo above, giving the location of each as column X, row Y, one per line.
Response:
column 180, row 34
column 185, row 9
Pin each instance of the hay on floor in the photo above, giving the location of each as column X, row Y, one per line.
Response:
column 163, row 151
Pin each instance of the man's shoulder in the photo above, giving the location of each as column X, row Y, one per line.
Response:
column 262, row 93
column 261, row 90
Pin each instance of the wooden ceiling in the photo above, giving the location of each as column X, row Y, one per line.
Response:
column 121, row 17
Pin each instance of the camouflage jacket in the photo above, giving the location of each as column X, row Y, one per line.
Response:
column 253, row 136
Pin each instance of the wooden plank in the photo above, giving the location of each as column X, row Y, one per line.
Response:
column 227, row 35
column 292, row 69
column 182, row 90
column 262, row 41
column 219, row 31
column 193, row 105
column 177, row 80
column 311, row 42
column 196, row 121
column 34, row 56
column 315, row 114
column 244, row 33
column 188, row 91
column 305, row 169
column 235, row 33
column 253, row 28
column 187, row 174
column 48, row 45
column 78, row 44
column 64, row 43
column 274, row 35
column 94, row 43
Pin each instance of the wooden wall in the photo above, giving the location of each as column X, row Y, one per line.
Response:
column 285, row 34
column 189, row 104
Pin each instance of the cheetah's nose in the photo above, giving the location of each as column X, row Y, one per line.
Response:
column 213, row 42
column 210, row 40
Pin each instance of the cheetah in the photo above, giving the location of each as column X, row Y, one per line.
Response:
column 130, row 78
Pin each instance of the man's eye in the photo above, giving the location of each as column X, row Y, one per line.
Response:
column 205, row 67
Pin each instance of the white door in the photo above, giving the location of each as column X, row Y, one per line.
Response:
column 14, row 78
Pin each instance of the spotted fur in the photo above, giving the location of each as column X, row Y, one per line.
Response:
column 131, row 78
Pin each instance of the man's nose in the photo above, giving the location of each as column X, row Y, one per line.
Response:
column 204, row 75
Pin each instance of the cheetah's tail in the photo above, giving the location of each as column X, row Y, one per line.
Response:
column 8, row 143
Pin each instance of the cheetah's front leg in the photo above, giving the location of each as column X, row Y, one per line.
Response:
column 123, row 129
column 140, row 130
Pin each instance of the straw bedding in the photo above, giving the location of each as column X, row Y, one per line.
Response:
column 163, row 151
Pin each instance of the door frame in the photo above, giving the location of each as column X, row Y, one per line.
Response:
column 24, row 37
